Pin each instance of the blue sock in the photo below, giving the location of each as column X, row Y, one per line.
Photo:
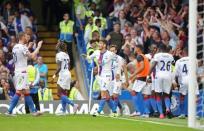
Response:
column 101, row 105
column 153, row 104
column 146, row 106
column 111, row 105
column 13, row 103
column 186, row 104
column 167, row 103
column 134, row 100
column 119, row 105
column 63, row 102
column 116, row 102
column 66, row 100
column 29, row 102
column 182, row 107
column 159, row 105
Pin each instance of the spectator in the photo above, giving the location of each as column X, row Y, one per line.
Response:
column 66, row 34
column 21, row 22
column 74, row 93
column 33, row 78
column 43, row 70
column 44, row 93
column 8, row 11
column 115, row 37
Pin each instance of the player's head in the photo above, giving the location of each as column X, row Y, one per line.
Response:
column 163, row 48
column 138, row 49
column 61, row 46
column 102, row 44
column 22, row 36
column 153, row 48
column 113, row 48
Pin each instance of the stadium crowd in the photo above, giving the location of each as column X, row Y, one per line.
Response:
column 129, row 27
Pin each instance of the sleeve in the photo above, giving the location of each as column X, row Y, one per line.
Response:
column 45, row 69
column 155, row 58
column 58, row 58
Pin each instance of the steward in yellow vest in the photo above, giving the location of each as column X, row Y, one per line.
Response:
column 66, row 29
column 74, row 93
column 44, row 93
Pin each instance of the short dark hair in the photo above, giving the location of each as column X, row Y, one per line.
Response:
column 114, row 46
column 163, row 48
column 139, row 46
column 104, row 41
column 62, row 46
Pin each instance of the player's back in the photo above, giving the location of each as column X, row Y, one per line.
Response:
column 19, row 57
column 182, row 66
column 64, row 59
column 164, row 63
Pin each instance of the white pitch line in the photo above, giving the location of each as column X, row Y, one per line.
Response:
column 147, row 121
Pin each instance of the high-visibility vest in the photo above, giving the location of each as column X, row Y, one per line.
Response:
column 103, row 22
column 66, row 31
column 47, row 94
column 31, row 70
column 73, row 93
column 89, row 13
column 96, row 86
column 66, row 28
column 90, row 49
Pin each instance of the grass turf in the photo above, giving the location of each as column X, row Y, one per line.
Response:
column 88, row 123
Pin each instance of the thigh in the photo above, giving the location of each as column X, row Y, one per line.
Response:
column 64, row 81
column 158, row 84
column 138, row 85
column 147, row 89
column 167, row 83
column 21, row 81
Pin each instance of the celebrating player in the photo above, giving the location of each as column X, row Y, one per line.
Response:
column 162, row 62
column 64, row 80
column 20, row 57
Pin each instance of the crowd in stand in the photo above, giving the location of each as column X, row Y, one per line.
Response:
column 16, row 17
column 125, row 24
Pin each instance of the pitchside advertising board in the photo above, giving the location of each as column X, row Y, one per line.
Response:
column 53, row 107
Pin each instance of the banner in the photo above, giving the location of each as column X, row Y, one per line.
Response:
column 53, row 107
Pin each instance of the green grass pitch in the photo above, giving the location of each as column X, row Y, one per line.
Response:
column 88, row 123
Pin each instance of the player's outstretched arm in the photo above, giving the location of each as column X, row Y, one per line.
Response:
column 34, row 54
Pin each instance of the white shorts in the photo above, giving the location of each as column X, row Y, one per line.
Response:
column 105, row 82
column 147, row 89
column 184, row 87
column 138, row 85
column 116, row 87
column 153, row 85
column 21, row 80
column 163, row 84
column 64, row 80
